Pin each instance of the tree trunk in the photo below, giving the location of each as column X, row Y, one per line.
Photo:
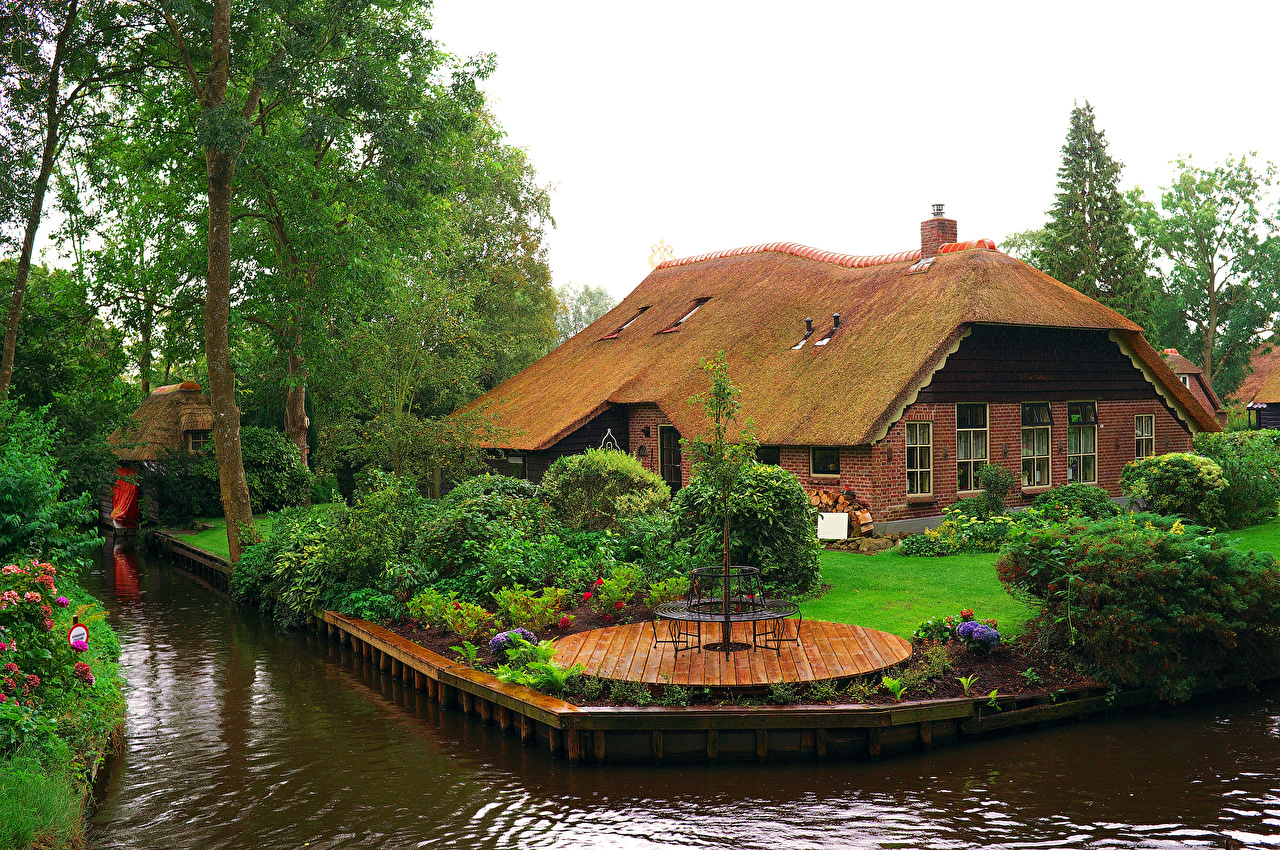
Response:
column 295, row 405
column 53, row 119
column 1211, row 328
column 144, row 356
column 217, row 350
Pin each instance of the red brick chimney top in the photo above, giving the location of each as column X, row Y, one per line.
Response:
column 935, row 232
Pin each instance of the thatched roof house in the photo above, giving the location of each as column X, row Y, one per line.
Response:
column 1192, row 377
column 172, row 416
column 890, row 375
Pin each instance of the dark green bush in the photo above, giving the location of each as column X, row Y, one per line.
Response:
column 490, row 484
column 597, row 489
column 34, row 521
column 1177, row 484
column 1076, row 500
column 185, row 485
column 772, row 526
column 650, row 542
column 1141, row 600
column 1250, row 460
column 996, row 482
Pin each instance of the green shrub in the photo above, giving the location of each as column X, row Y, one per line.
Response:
column 490, row 484
column 667, row 590
column 516, row 607
column 531, row 665
column 616, row 589
column 370, row 604
column 1250, row 461
column 1143, row 601
column 1070, row 501
column 650, row 541
column 1179, row 484
column 996, row 482
column 185, row 484
column 772, row 526
column 962, row 533
column 596, row 489
column 34, row 521
column 932, row 543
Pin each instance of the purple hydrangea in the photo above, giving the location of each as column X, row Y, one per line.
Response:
column 975, row 633
column 79, row 646
column 62, row 601
column 502, row 642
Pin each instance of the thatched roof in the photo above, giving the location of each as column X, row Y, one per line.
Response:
column 1180, row 365
column 896, row 330
column 159, row 421
column 1263, row 383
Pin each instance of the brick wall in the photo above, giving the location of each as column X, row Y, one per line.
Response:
column 936, row 232
column 651, row 415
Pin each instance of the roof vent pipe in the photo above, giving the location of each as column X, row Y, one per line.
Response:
column 808, row 326
column 937, row 210
column 835, row 320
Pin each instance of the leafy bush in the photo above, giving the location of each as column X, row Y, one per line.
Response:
column 501, row 642
column 650, row 541
column 667, row 590
column 1146, row 601
column 1178, row 483
column 492, row 485
column 772, row 526
column 370, row 604
column 615, row 590
column 996, row 482
column 1070, row 501
column 596, row 489
column 467, row 621
column 961, row 533
column 276, row 474
column 531, row 665
column 1250, row 461
column 932, row 543
column 33, row 519
column 516, row 607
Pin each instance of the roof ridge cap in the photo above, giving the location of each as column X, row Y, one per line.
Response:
column 850, row 261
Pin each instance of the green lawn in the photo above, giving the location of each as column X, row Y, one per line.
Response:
column 1264, row 537
column 894, row 592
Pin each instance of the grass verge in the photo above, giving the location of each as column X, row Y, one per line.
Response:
column 214, row 540
column 894, row 592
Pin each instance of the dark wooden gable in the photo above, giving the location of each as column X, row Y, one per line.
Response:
column 1002, row 363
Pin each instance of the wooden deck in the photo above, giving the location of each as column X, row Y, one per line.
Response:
column 826, row 651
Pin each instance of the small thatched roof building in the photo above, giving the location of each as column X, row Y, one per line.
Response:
column 172, row 416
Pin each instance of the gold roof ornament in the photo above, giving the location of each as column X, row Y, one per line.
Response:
column 660, row 254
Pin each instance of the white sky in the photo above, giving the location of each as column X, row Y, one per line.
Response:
column 836, row 125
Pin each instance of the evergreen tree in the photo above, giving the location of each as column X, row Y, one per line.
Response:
column 1087, row 243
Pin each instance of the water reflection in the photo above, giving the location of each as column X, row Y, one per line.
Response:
column 238, row 735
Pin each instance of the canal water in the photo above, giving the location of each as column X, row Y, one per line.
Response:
column 240, row 736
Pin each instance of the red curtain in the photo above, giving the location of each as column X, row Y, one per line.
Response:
column 124, row 499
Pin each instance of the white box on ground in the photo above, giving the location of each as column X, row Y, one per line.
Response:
column 833, row 526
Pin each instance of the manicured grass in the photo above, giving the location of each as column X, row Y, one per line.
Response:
column 215, row 539
column 894, row 592
column 1264, row 537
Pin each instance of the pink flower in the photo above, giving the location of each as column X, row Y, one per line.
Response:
column 46, row 610
column 586, row 596
column 564, row 622
column 3, row 646
column 31, row 596
column 11, row 668
column 10, row 597
column 3, row 699
column 46, row 582
column 33, row 681
column 48, row 569
column 84, row 673
column 47, row 625
column 619, row 604
column 79, row 646
column 14, row 570
column 62, row 601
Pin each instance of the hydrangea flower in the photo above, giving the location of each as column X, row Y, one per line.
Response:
column 11, row 669
column 62, row 601
column 46, row 581
column 32, row 597
column 504, row 641
column 84, row 673
column 33, row 681
column 79, row 646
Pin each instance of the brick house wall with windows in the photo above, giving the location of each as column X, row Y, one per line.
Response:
column 894, row 376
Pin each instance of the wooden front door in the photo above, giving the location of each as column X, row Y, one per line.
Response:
column 669, row 457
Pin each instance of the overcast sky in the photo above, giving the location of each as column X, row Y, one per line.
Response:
column 836, row 125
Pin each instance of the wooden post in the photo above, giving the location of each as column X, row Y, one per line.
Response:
column 396, row 668
column 713, row 744
column 506, row 719
column 874, row 738
column 419, row 680
column 486, row 711
column 599, row 746
column 553, row 739
column 820, row 743
column 367, row 650
column 445, row 695
column 385, row 661
column 926, row 734
column 657, row 745
column 468, row 702
column 573, row 745
column 762, row 744
column 527, row 735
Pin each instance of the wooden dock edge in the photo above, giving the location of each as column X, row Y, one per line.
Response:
column 597, row 734
column 205, row 564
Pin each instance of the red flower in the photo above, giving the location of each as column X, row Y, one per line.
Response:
column 967, row 613
column 608, row 618
column 84, row 673
column 586, row 596
column 564, row 622
column 619, row 604
column 33, row 681
column 599, row 582
column 457, row 605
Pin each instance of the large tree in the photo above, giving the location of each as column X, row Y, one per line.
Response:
column 579, row 307
column 58, row 57
column 1087, row 242
column 241, row 64
column 1222, row 259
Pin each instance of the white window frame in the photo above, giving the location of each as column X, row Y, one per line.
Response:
column 189, row 437
column 1139, row 437
column 914, row 443
column 1035, row 457
column 966, row 435
column 1186, row 380
column 1081, row 431
column 812, row 473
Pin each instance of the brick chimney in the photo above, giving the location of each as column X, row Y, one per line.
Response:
column 935, row 232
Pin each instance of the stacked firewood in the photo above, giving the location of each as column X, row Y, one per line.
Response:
column 843, row 502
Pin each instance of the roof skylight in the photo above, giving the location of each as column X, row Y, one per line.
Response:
column 697, row 304
column 626, row 324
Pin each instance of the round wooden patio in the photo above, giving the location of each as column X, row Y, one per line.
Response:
column 826, row 651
